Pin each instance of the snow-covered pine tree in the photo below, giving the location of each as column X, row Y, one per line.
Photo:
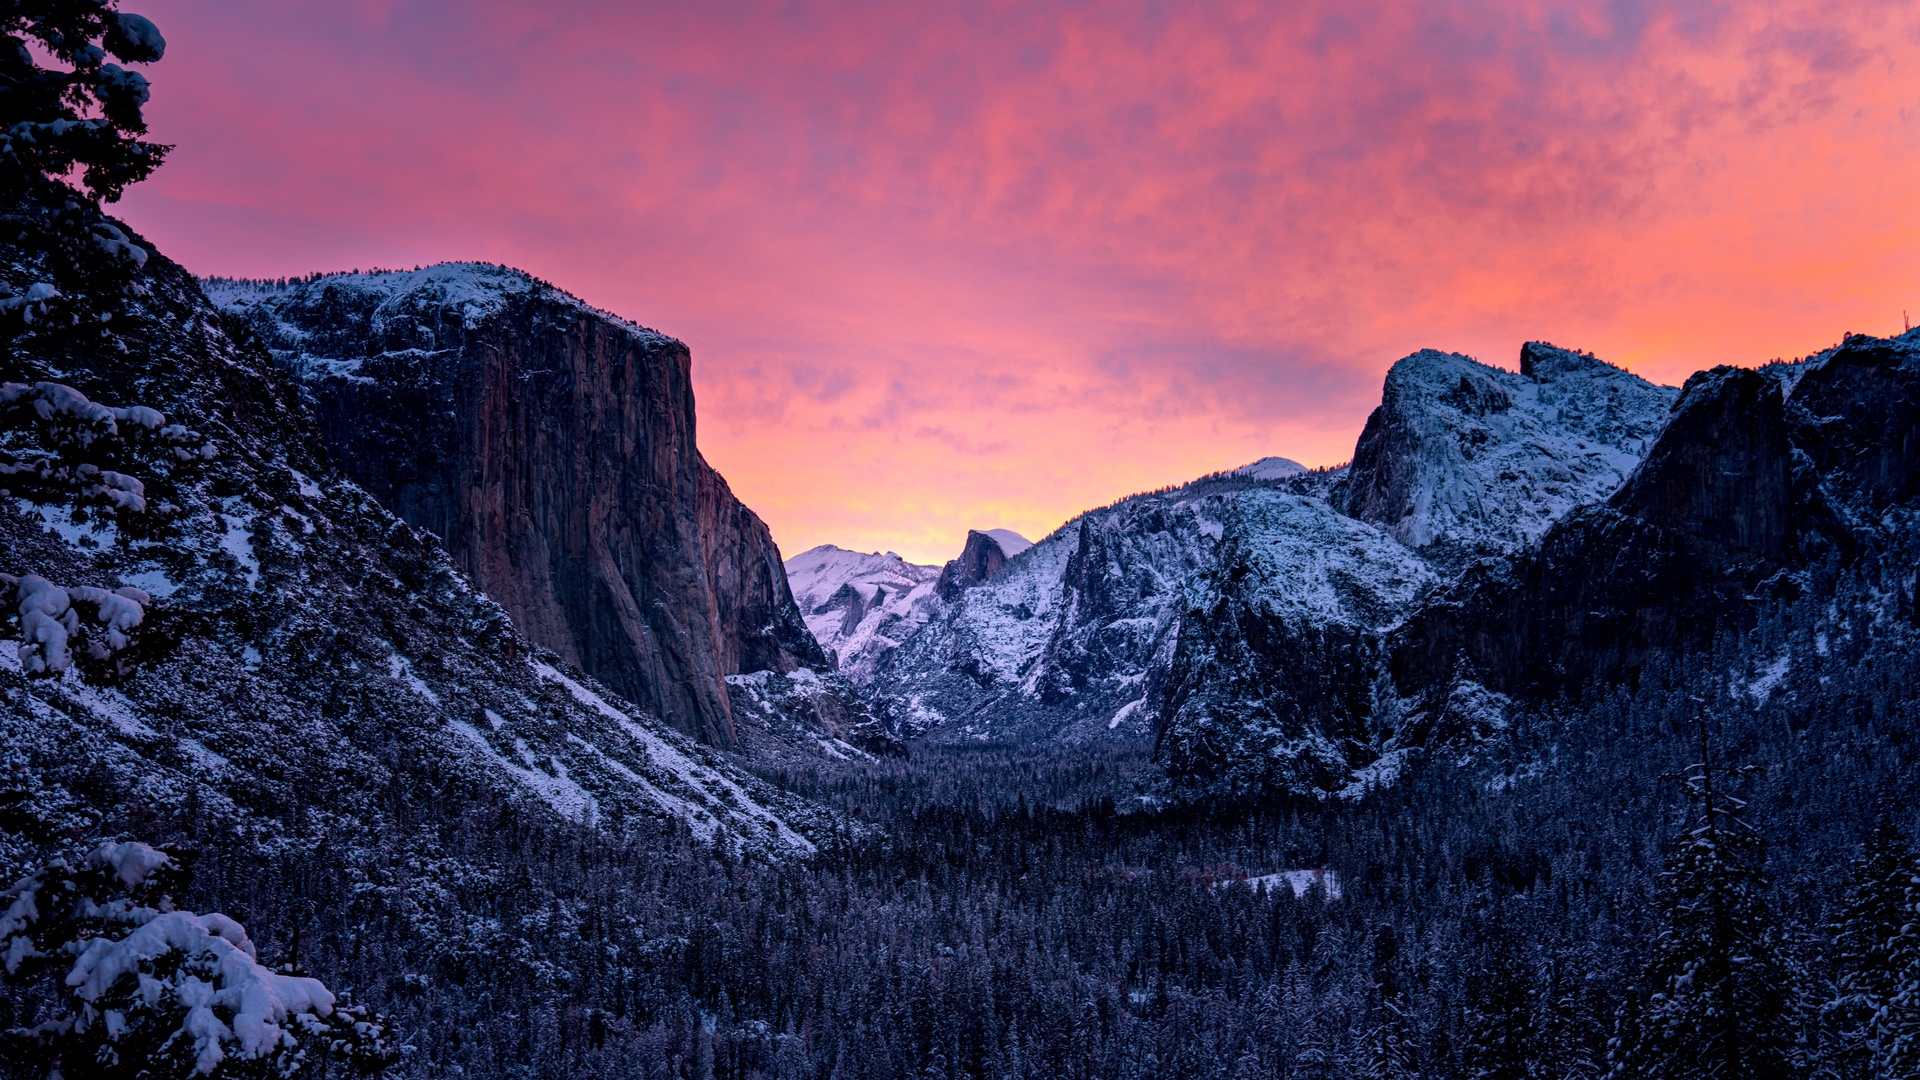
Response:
column 110, row 980
column 1392, row 1053
column 1722, row 1001
column 1500, row 1040
column 1876, row 933
column 70, row 139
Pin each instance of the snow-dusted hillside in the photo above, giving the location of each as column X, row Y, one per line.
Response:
column 209, row 612
column 397, row 300
column 1461, row 457
column 1061, row 641
column 859, row 606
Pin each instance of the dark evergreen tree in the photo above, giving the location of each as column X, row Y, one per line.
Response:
column 1876, row 935
column 1500, row 1040
column 1391, row 1050
column 1721, row 1006
column 71, row 138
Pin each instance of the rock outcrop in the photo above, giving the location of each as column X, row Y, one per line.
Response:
column 1271, row 685
column 551, row 448
column 983, row 556
column 1462, row 459
column 1764, row 485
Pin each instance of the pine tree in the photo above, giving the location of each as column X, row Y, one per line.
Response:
column 1721, row 1006
column 115, row 982
column 1500, row 1040
column 1391, row 1053
column 70, row 139
column 1877, row 941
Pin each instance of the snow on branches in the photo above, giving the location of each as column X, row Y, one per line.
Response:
column 122, row 982
column 79, row 115
column 56, row 621
column 77, row 438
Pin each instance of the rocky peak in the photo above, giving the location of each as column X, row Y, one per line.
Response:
column 1856, row 414
column 1468, row 458
column 551, row 448
column 983, row 556
column 1721, row 471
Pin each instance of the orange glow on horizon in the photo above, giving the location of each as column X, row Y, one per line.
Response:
column 987, row 265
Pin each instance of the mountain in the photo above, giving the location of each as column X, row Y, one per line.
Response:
column 551, row 448
column 859, row 606
column 1242, row 620
column 1780, row 497
column 219, row 642
column 218, row 612
column 1277, row 684
column 1058, row 640
column 1468, row 458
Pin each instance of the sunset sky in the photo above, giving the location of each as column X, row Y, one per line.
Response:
column 990, row 264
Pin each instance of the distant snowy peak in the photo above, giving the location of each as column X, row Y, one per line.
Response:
column 1465, row 456
column 475, row 290
column 859, row 605
column 981, row 558
column 1011, row 543
column 818, row 574
column 1270, row 468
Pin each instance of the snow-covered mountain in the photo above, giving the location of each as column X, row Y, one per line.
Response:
column 860, row 606
column 1060, row 641
column 207, row 614
column 1465, row 458
column 1240, row 618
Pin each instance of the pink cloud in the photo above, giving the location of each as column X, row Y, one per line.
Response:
column 952, row 265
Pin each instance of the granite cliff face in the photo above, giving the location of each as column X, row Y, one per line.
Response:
column 551, row 448
column 983, row 556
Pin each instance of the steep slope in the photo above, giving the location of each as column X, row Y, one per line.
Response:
column 278, row 638
column 551, row 447
column 1463, row 458
column 859, row 606
column 1271, row 685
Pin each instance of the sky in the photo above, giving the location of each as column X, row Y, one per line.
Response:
column 967, row 265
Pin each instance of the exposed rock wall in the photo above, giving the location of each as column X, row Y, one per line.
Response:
column 551, row 448
column 980, row 559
